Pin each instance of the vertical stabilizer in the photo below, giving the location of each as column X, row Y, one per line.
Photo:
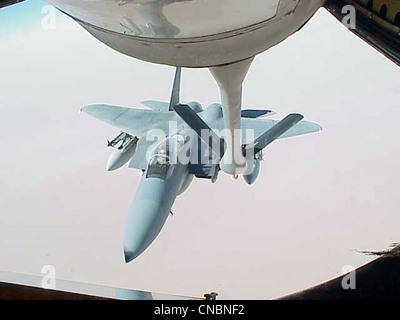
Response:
column 176, row 89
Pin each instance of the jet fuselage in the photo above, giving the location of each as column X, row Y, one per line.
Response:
column 162, row 182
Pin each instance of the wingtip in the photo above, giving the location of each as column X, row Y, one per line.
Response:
column 83, row 109
column 93, row 108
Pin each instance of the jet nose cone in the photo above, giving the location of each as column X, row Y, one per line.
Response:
column 144, row 223
column 129, row 255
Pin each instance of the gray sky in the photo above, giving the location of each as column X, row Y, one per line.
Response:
column 318, row 197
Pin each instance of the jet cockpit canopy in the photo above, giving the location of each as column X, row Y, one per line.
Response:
column 164, row 157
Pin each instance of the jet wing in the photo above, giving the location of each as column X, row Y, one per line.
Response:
column 133, row 121
column 262, row 125
column 156, row 105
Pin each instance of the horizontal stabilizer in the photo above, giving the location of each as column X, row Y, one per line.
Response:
column 303, row 127
column 250, row 113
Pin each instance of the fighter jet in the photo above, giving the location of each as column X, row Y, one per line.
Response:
column 171, row 143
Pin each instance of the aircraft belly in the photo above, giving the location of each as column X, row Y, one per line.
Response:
column 223, row 41
column 162, row 19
